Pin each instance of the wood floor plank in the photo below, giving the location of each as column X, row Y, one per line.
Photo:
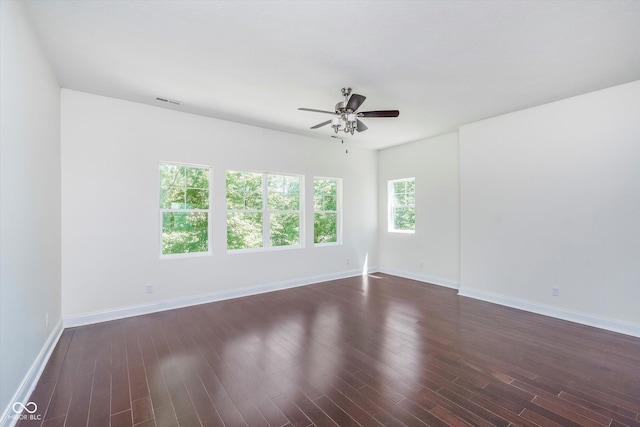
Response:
column 291, row 411
column 334, row 412
column 56, row 360
column 59, row 403
column 251, row 415
column 56, row 422
column 205, row 408
column 120, row 395
column 371, row 350
column 584, row 418
column 99, row 410
column 165, row 416
column 313, row 411
column 360, row 398
column 229, row 413
column 179, row 397
column 351, row 408
column 449, row 417
column 158, row 390
column 138, row 382
column 269, row 410
column 78, row 413
column 615, row 413
column 419, row 412
column 141, row 410
column 391, row 408
column 122, row 419
column 466, row 411
column 189, row 420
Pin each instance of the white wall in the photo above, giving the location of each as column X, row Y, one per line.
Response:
column 432, row 253
column 29, row 205
column 110, row 154
column 551, row 198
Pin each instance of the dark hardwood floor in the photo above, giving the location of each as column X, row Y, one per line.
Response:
column 378, row 350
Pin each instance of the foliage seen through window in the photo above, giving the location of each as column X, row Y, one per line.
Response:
column 184, row 208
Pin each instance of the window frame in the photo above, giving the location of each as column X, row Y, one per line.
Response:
column 338, row 211
column 391, row 206
column 267, row 213
column 207, row 211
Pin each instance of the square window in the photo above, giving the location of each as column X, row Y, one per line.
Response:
column 263, row 210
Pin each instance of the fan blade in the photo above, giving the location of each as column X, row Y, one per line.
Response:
column 361, row 127
column 355, row 102
column 316, row 111
column 384, row 113
column 319, row 125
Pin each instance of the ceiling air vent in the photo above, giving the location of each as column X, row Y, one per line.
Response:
column 170, row 101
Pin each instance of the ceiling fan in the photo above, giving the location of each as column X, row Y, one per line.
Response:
column 346, row 114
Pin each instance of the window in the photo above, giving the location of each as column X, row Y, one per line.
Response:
column 184, row 209
column 326, row 204
column 263, row 210
column 402, row 205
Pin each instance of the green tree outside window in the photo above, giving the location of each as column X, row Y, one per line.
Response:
column 184, row 208
column 263, row 210
column 325, row 210
column 402, row 205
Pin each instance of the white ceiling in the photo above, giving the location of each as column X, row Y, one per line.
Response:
column 441, row 63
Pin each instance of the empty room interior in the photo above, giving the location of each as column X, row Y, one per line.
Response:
column 315, row 213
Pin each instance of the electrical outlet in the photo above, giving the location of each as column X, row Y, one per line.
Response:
column 46, row 320
column 421, row 264
column 149, row 288
column 555, row 292
column 348, row 261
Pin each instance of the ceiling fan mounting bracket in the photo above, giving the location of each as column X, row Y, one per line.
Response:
column 341, row 107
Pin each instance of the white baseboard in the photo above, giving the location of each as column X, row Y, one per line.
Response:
column 31, row 378
column 614, row 325
column 421, row 277
column 120, row 313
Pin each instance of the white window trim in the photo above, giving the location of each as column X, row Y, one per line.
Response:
column 390, row 206
column 266, row 215
column 338, row 211
column 209, row 250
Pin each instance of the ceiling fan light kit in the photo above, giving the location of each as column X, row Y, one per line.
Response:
column 346, row 115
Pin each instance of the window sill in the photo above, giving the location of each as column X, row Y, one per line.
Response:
column 322, row 245
column 402, row 231
column 267, row 249
column 185, row 255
